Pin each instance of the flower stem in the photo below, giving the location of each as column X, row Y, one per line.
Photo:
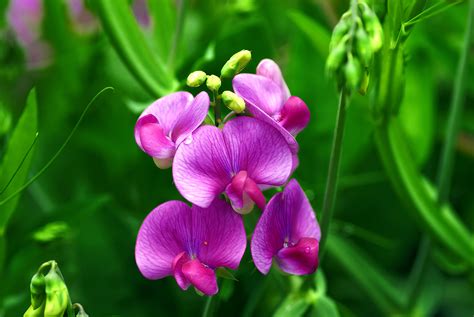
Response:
column 207, row 307
column 217, row 109
column 333, row 171
column 457, row 103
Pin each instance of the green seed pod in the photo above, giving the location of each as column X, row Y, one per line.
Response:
column 57, row 296
column 233, row 102
column 363, row 46
column 35, row 312
column 353, row 72
column 213, row 83
column 196, row 79
column 37, row 290
column 236, row 63
column 336, row 57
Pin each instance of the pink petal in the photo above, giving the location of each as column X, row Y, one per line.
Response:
column 191, row 118
column 164, row 235
column 202, row 277
column 154, row 142
column 180, row 278
column 260, row 92
column 269, row 69
column 300, row 259
column 294, row 115
column 243, row 193
column 287, row 218
column 201, row 168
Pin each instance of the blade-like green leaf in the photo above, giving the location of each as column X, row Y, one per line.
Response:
column 324, row 307
column 129, row 42
column 294, row 305
column 318, row 35
column 163, row 19
column 18, row 147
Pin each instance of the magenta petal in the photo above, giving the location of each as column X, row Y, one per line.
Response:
column 300, row 259
column 287, row 218
column 178, row 262
column 259, row 91
column 294, row 115
column 259, row 149
column 202, row 277
column 268, row 68
column 168, row 109
column 154, row 142
column 191, row 118
column 219, row 235
column 243, row 192
column 201, row 168
column 162, row 236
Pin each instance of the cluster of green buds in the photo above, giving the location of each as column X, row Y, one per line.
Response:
column 232, row 67
column 355, row 40
column 49, row 294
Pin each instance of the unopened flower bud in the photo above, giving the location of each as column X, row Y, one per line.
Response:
column 340, row 30
column 363, row 46
column 364, row 84
column 236, row 63
column 372, row 26
column 37, row 290
column 80, row 310
column 353, row 72
column 35, row 312
column 336, row 57
column 196, row 79
column 213, row 83
column 233, row 102
column 57, row 296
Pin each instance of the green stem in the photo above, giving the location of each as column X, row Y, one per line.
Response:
column 416, row 274
column 207, row 307
column 333, row 171
column 180, row 4
column 217, row 109
column 457, row 102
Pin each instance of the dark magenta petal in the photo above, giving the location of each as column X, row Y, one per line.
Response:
column 178, row 262
column 163, row 235
column 287, row 218
column 154, row 142
column 243, row 192
column 259, row 91
column 191, row 118
column 219, row 235
column 268, row 68
column 202, row 277
column 294, row 115
column 300, row 259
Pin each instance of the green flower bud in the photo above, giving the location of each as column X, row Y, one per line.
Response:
column 372, row 26
column 364, row 84
column 80, row 310
column 37, row 290
column 340, row 30
column 233, row 102
column 353, row 72
column 35, row 312
column 57, row 296
column 213, row 83
column 363, row 46
column 236, row 63
column 336, row 57
column 196, row 79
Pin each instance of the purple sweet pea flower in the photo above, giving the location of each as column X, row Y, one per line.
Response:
column 287, row 231
column 242, row 159
column 268, row 98
column 167, row 122
column 25, row 18
column 189, row 243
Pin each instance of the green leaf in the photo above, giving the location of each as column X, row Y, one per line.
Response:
column 319, row 36
column 18, row 146
column 163, row 21
column 320, row 282
column 324, row 307
column 294, row 305
column 5, row 120
column 129, row 42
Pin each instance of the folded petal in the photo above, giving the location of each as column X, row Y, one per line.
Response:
column 243, row 193
column 191, row 118
column 259, row 92
column 268, row 68
column 202, row 277
column 256, row 147
column 300, row 259
column 201, row 168
column 287, row 218
column 154, row 142
column 168, row 109
column 219, row 235
column 164, row 234
column 294, row 115
column 178, row 274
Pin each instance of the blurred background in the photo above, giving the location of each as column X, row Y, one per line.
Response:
column 85, row 210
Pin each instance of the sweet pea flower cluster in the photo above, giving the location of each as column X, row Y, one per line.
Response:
column 223, row 170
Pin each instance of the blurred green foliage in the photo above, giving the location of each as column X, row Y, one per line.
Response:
column 85, row 210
